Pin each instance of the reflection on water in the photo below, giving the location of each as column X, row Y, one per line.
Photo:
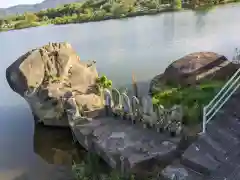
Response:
column 168, row 26
column 200, row 23
column 55, row 145
column 51, row 157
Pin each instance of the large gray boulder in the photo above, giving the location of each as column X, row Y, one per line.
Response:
column 42, row 76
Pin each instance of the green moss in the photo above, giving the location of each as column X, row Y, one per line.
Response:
column 192, row 98
column 31, row 86
column 55, row 79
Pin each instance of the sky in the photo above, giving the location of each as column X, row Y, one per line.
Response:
column 8, row 3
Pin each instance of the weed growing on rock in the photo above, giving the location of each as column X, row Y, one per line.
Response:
column 104, row 82
column 192, row 98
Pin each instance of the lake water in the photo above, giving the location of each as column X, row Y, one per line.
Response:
column 142, row 45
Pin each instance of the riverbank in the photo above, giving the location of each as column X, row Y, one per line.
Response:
column 101, row 11
column 74, row 20
column 23, row 25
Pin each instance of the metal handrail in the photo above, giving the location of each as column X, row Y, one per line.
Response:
column 224, row 94
column 220, row 99
column 223, row 88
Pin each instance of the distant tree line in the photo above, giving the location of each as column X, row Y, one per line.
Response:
column 96, row 10
column 92, row 10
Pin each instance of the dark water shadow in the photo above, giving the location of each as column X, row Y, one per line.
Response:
column 55, row 145
column 29, row 152
column 200, row 20
column 52, row 173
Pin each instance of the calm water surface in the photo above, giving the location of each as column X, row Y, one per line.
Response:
column 143, row 45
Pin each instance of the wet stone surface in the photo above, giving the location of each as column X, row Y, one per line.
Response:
column 123, row 145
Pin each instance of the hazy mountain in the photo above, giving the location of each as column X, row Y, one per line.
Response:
column 20, row 9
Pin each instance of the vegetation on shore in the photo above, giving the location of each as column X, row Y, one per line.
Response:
column 20, row 22
column 192, row 98
column 97, row 10
column 103, row 82
column 91, row 169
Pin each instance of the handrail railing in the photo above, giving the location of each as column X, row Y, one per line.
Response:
column 210, row 110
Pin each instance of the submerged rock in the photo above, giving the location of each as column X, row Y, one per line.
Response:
column 194, row 68
column 42, row 76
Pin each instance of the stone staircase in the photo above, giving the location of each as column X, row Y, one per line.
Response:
column 216, row 153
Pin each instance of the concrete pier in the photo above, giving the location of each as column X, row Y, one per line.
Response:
column 122, row 145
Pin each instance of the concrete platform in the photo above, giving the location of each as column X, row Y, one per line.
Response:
column 125, row 146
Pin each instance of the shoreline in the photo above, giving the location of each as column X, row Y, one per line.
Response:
column 150, row 12
column 130, row 15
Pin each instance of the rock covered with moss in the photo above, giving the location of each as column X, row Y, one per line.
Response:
column 194, row 68
column 50, row 72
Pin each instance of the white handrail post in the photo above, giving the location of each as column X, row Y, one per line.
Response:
column 204, row 120
column 225, row 86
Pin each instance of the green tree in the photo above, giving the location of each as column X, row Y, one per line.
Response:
column 99, row 14
column 150, row 5
column 20, row 17
column 210, row 2
column 82, row 17
column 30, row 17
column 118, row 9
column 177, row 4
column 1, row 22
column 45, row 18
column 107, row 7
column 8, row 21
column 158, row 3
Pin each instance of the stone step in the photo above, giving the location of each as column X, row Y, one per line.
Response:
column 203, row 157
column 228, row 109
column 228, row 168
column 229, row 122
column 232, row 103
column 223, row 136
column 236, row 94
column 221, row 150
column 227, row 171
column 180, row 171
